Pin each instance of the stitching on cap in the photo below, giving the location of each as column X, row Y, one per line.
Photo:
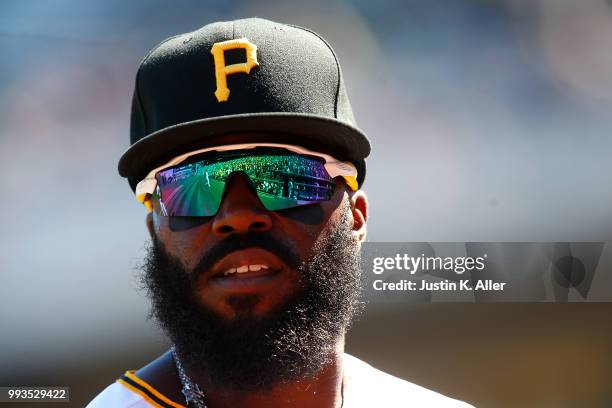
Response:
column 138, row 97
column 337, row 65
column 139, row 102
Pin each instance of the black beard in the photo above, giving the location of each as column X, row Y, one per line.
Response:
column 250, row 353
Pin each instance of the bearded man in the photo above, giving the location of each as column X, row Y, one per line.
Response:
column 245, row 151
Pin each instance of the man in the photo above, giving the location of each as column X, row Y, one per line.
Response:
column 253, row 269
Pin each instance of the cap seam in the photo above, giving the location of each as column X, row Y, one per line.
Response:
column 138, row 96
column 339, row 73
column 140, row 107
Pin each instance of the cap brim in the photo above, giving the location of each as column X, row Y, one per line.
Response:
column 327, row 135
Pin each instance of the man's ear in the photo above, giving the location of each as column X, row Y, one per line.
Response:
column 359, row 209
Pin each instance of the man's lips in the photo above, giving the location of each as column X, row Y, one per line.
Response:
column 247, row 271
column 246, row 263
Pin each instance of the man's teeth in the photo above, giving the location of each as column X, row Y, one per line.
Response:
column 246, row 268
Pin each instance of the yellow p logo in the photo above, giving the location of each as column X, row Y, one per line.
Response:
column 222, row 71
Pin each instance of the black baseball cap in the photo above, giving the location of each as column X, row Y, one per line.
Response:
column 265, row 82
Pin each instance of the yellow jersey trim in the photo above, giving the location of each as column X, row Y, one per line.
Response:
column 146, row 391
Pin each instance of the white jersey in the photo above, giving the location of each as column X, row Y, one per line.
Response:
column 363, row 386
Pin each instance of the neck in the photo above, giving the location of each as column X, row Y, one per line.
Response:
column 322, row 390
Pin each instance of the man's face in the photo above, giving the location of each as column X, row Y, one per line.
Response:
column 302, row 282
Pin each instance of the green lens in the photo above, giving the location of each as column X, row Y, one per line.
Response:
column 280, row 180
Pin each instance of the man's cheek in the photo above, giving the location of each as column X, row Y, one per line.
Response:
column 180, row 224
column 312, row 214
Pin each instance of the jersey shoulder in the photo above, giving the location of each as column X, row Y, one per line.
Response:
column 116, row 395
column 366, row 386
column 130, row 391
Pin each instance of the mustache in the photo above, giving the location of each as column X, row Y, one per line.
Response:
column 263, row 240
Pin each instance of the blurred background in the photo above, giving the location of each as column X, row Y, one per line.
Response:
column 490, row 121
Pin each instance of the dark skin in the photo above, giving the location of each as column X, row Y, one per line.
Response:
column 241, row 212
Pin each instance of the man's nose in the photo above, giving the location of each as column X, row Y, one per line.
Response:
column 241, row 211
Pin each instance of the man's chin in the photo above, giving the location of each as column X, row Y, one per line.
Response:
column 240, row 307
